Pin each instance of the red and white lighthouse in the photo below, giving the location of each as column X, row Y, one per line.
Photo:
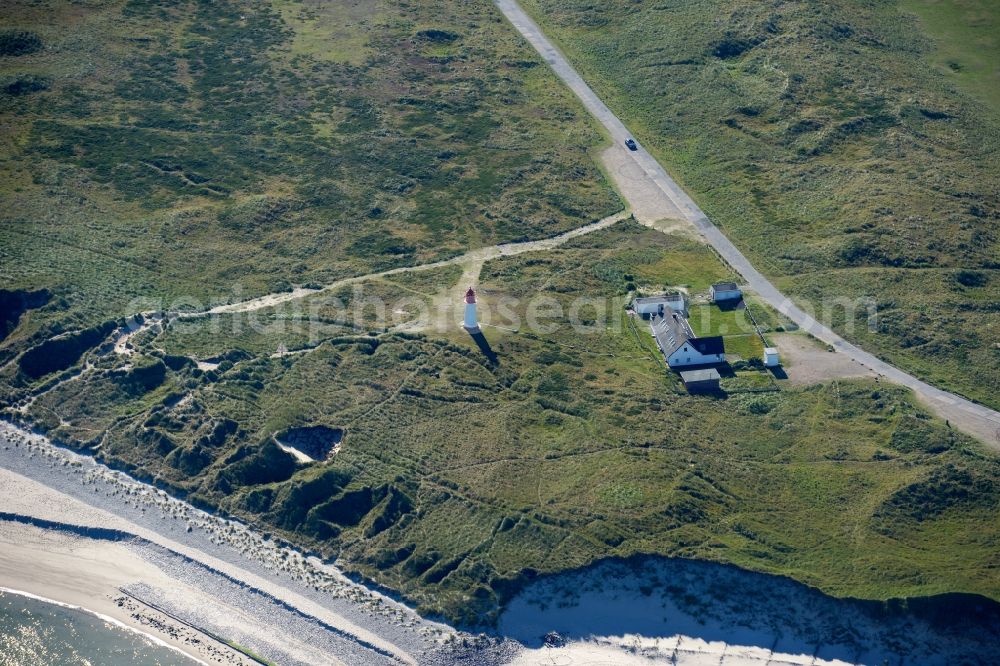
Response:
column 471, row 321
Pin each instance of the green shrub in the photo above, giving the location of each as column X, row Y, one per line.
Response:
column 19, row 42
column 732, row 47
column 61, row 353
column 268, row 464
column 952, row 488
column 759, row 406
column 14, row 303
column 439, row 36
column 145, row 375
column 913, row 434
column 968, row 278
column 25, row 84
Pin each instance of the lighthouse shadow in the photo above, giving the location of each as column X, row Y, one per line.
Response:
column 484, row 347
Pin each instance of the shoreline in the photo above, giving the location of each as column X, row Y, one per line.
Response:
column 59, row 569
column 146, row 635
column 211, row 572
column 67, row 518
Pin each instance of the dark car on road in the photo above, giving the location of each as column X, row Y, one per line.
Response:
column 631, row 144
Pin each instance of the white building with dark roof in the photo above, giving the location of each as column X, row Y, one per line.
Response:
column 658, row 305
column 681, row 347
column 697, row 351
column 725, row 291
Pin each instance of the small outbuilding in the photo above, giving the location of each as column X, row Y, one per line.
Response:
column 661, row 305
column 701, row 381
column 725, row 291
column 771, row 357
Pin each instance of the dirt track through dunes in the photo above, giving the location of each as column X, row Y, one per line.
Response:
column 964, row 414
column 472, row 257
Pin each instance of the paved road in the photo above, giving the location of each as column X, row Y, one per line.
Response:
column 968, row 416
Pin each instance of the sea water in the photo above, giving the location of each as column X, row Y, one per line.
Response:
column 35, row 632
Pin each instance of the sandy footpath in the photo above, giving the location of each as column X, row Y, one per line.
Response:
column 479, row 256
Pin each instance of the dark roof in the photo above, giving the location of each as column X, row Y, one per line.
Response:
column 663, row 298
column 712, row 345
column 725, row 286
column 671, row 332
column 708, row 374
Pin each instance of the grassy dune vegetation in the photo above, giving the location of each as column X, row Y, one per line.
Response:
column 172, row 150
column 457, row 479
column 194, row 152
column 966, row 35
column 849, row 148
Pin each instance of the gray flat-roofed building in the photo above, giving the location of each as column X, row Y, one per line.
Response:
column 701, row 381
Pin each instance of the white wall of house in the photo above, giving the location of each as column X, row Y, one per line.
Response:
column 648, row 308
column 687, row 355
column 680, row 307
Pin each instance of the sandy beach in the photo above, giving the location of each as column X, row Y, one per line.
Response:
column 676, row 651
column 91, row 574
column 97, row 539
column 81, row 534
column 86, row 576
column 672, row 611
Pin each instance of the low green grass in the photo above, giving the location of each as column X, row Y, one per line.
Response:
column 966, row 36
column 751, row 381
column 710, row 319
column 836, row 143
column 457, row 476
column 170, row 155
column 734, row 325
column 747, row 346
column 158, row 165
column 338, row 32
